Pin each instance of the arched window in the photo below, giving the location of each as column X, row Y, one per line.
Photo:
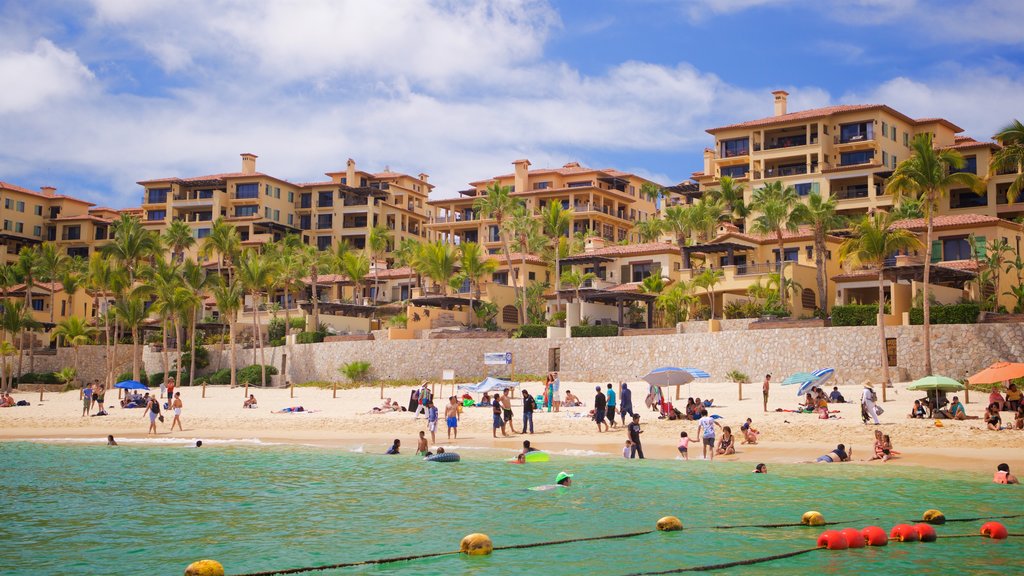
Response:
column 807, row 299
column 510, row 314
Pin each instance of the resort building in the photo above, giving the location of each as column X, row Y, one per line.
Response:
column 606, row 201
column 30, row 217
column 265, row 208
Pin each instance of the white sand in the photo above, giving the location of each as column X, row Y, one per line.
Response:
column 345, row 421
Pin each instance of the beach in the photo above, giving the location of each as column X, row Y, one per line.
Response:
column 346, row 421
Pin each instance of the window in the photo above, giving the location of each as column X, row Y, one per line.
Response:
column 955, row 249
column 267, row 190
column 324, row 199
column 853, row 158
column 791, row 254
column 580, row 184
column 810, row 251
column 153, row 215
column 277, row 215
column 885, row 158
column 885, row 128
column 245, row 191
column 21, row 206
column 37, row 231
column 266, row 213
column 277, row 192
column 291, row 197
column 855, row 132
column 500, row 278
column 970, row 165
column 510, row 314
column 892, row 135
column 808, row 301
column 964, row 198
column 492, row 234
column 325, row 221
column 291, row 220
column 805, row 188
column 304, row 222
column 735, row 171
column 306, row 200
column 80, row 251
column 8, row 203
column 242, row 211
column 906, row 140
column 541, row 185
column 158, row 195
column 893, row 161
column 204, row 194
column 37, row 304
column 7, row 224
column 19, row 227
column 641, row 271
column 72, row 233
column 531, row 276
column 39, row 210
column 323, row 242
column 735, row 147
column 202, row 232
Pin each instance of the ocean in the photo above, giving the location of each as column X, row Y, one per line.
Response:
column 142, row 508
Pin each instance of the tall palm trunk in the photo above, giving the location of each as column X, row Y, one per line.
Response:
column 192, row 350
column 231, row 355
column 166, row 355
column 558, row 275
column 21, row 350
column 315, row 277
column 135, row 353
column 512, row 276
column 927, row 304
column 522, row 270
column 178, row 335
column 287, row 316
column 881, row 333
column 255, row 326
column 259, row 340
column 782, row 271
column 819, row 264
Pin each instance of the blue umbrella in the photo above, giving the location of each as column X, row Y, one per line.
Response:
column 131, row 385
column 798, row 378
column 819, row 377
column 697, row 373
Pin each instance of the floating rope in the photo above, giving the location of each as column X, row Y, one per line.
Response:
column 724, row 565
column 552, row 543
column 788, row 524
column 948, row 520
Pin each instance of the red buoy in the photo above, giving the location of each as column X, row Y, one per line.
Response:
column 903, row 533
column 833, row 540
column 925, row 532
column 875, row 536
column 853, row 537
column 994, row 530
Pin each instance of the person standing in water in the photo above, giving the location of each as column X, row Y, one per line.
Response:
column 634, row 437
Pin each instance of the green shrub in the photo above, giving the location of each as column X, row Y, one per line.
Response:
column 948, row 314
column 275, row 329
column 251, row 374
column 298, row 323
column 202, row 357
column 737, row 376
column 743, row 309
column 38, row 378
column 355, row 371
column 531, row 331
column 594, row 331
column 276, row 342
column 222, row 376
column 776, row 312
column 309, row 337
column 157, row 379
column 855, row 315
column 128, row 376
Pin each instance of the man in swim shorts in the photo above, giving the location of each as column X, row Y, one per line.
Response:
column 706, row 429
column 634, row 437
column 451, row 417
column 506, row 410
column 610, row 394
column 764, row 389
column 496, row 420
column 600, row 409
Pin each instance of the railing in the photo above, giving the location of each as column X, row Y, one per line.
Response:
column 863, row 137
column 305, row 204
column 458, row 217
column 325, row 203
column 757, row 268
column 852, row 192
column 786, row 171
column 790, row 142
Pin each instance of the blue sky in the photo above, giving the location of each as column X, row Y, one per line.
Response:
column 103, row 93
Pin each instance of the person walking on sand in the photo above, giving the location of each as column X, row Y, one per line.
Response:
column 432, row 421
column 634, row 437
column 529, row 405
column 706, row 429
column 153, row 411
column 600, row 410
column 867, row 402
column 764, row 389
column 506, row 410
column 86, row 399
column 170, row 390
column 611, row 406
column 556, row 385
column 451, row 417
column 176, row 407
column 496, row 420
column 625, row 402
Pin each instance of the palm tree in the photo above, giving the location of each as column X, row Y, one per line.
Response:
column 928, row 175
column 873, row 241
column 555, row 222
column 575, row 280
column 526, row 231
column 730, row 194
column 317, row 261
column 821, row 215
column 224, row 242
column 356, row 266
column 14, row 320
column 651, row 191
column 162, row 281
column 708, row 279
column 51, row 263
column 185, row 302
column 776, row 205
column 229, row 300
column 474, row 266
column 178, row 237
column 649, row 230
column 705, row 214
column 907, row 209
column 498, row 204
column 255, row 272
column 74, row 332
column 675, row 303
column 1010, row 157
column 196, row 281
column 29, row 270
column 653, row 284
column 438, row 262
column 7, row 350
column 131, row 312
column 677, row 222
column 131, row 245
column 379, row 241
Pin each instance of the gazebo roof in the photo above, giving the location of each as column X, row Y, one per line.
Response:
column 939, row 274
column 715, row 247
column 447, row 302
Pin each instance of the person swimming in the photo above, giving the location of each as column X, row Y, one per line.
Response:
column 562, row 480
column 761, row 469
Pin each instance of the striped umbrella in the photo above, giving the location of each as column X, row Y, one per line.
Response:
column 818, row 377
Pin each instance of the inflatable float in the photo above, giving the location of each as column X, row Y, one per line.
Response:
column 535, row 456
column 445, row 457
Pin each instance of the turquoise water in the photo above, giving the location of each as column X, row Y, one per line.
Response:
column 72, row 509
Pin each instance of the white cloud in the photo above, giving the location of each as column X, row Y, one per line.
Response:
column 40, row 75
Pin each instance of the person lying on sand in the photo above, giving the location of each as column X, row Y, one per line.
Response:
column 290, row 410
column 840, row 454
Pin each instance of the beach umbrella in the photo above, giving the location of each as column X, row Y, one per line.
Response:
column 798, row 378
column 998, row 372
column 818, row 377
column 131, row 385
column 668, row 376
column 940, row 383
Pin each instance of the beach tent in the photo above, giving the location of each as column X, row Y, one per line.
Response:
column 488, row 384
column 998, row 372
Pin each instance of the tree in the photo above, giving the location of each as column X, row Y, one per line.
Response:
column 15, row 319
column 162, row 280
column 29, row 270
column 74, row 332
column 678, row 223
column 51, row 263
column 178, row 237
column 730, row 194
column 675, row 303
column 473, row 267
column 223, row 242
column 907, row 209
column 649, row 230
column 379, row 241
column 356, row 266
column 437, row 261
column 874, row 239
column 318, row 261
column 498, row 204
column 131, row 312
column 255, row 272
column 653, row 284
column 705, row 214
column 196, row 280
column 575, row 280
column 993, row 260
column 1010, row 158
column 555, row 222
column 651, row 191
column 526, row 230
column 708, row 279
column 822, row 217
column 229, row 300
column 131, row 245
column 928, row 175
column 776, row 205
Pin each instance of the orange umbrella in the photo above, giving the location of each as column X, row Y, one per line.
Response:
column 998, row 372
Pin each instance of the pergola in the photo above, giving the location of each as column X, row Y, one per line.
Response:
column 444, row 302
column 941, row 275
column 617, row 298
column 341, row 308
column 584, row 259
column 729, row 248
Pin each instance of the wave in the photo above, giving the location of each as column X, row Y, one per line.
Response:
column 583, row 453
column 159, row 441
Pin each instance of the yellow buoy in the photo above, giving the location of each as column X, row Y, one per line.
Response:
column 812, row 518
column 476, row 545
column 934, row 517
column 205, row 568
column 669, row 524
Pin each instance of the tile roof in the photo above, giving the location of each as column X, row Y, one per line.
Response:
column 220, row 176
column 803, row 233
column 570, row 169
column 966, row 142
column 872, row 273
column 402, row 272
column 828, row 111
column 633, row 249
column 326, row 279
column 23, row 190
column 57, row 287
column 517, row 258
column 92, row 217
column 948, row 221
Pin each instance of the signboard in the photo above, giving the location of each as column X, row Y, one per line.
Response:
column 497, row 358
column 890, row 351
column 448, row 375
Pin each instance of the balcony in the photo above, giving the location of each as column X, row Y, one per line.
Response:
column 305, row 204
column 325, row 203
column 455, row 218
column 581, row 207
column 851, row 192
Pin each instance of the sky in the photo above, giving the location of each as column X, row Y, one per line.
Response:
column 100, row 94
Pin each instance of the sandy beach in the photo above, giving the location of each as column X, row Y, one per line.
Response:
column 347, row 421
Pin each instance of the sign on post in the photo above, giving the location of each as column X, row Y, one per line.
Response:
column 448, row 375
column 497, row 358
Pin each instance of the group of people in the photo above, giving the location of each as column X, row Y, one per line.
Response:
column 608, row 404
column 7, row 401
column 92, row 395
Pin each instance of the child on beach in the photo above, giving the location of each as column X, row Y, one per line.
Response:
column 432, row 420
column 684, row 445
column 395, row 446
column 627, row 449
column 421, row 447
column 750, row 434
column 917, row 411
